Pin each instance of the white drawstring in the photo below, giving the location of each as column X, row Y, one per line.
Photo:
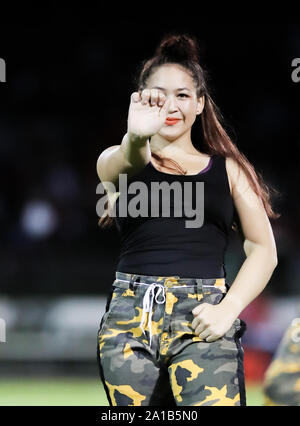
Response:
column 148, row 304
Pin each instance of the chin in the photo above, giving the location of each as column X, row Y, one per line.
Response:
column 170, row 136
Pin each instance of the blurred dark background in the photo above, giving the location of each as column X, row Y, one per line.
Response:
column 69, row 76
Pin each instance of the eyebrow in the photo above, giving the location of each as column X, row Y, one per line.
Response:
column 163, row 89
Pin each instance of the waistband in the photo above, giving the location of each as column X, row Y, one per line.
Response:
column 156, row 287
column 204, row 285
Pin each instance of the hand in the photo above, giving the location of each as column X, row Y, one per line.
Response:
column 211, row 322
column 148, row 111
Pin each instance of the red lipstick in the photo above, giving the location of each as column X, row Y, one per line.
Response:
column 171, row 121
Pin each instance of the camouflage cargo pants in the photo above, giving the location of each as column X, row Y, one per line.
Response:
column 148, row 353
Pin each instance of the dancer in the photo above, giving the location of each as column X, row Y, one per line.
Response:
column 171, row 333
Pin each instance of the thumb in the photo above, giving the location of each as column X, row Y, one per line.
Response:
column 165, row 107
column 199, row 309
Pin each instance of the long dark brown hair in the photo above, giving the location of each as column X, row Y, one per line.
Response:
column 183, row 50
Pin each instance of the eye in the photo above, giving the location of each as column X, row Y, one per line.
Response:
column 183, row 94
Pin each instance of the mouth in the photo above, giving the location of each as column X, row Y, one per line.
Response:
column 171, row 121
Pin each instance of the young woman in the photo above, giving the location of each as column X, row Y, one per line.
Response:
column 171, row 333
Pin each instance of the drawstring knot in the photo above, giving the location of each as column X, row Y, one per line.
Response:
column 148, row 304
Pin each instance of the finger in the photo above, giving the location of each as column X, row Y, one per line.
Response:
column 166, row 106
column 205, row 334
column 198, row 309
column 195, row 323
column 201, row 327
column 135, row 97
column 153, row 97
column 145, row 96
column 161, row 99
column 212, row 338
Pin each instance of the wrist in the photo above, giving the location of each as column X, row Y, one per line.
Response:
column 133, row 138
column 232, row 304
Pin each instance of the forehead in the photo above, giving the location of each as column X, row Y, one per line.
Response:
column 171, row 76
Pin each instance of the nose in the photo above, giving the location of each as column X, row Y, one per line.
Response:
column 173, row 107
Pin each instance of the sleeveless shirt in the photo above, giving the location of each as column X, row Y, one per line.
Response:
column 152, row 244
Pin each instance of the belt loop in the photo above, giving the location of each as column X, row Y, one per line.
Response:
column 131, row 281
column 198, row 286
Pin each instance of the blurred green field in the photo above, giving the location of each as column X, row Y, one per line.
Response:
column 72, row 392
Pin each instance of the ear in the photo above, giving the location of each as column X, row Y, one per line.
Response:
column 200, row 105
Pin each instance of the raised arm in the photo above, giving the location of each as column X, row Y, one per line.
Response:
column 147, row 114
column 129, row 157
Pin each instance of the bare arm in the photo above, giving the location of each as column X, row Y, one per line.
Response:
column 146, row 116
column 129, row 157
column 259, row 244
column 212, row 322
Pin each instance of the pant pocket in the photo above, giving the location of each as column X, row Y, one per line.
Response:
column 214, row 296
column 240, row 327
column 113, row 301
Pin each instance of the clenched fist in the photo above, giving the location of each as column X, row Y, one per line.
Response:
column 211, row 322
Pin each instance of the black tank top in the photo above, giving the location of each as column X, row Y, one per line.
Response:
column 165, row 246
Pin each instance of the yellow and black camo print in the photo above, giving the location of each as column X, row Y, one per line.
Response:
column 282, row 379
column 179, row 368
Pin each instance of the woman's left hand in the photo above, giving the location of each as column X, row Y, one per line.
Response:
column 211, row 322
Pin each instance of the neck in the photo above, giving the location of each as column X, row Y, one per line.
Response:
column 177, row 147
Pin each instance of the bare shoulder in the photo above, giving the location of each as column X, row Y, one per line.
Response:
column 254, row 221
column 106, row 151
column 100, row 166
column 238, row 180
